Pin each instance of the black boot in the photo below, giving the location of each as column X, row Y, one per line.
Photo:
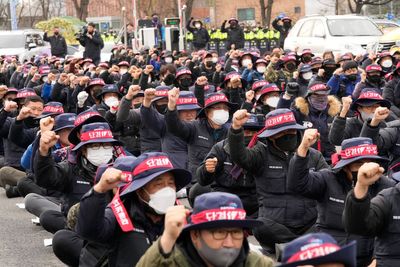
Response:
column 11, row 191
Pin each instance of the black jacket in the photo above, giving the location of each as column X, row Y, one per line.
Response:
column 198, row 135
column 235, row 36
column 377, row 217
column 92, row 46
column 201, row 37
column 58, row 45
column 269, row 166
column 391, row 92
column 96, row 222
column 73, row 180
column 330, row 189
column 12, row 152
column 242, row 184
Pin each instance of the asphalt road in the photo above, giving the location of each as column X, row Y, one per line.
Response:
column 21, row 242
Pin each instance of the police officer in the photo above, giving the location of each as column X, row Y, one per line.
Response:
column 235, row 33
column 330, row 187
column 268, row 161
column 200, row 34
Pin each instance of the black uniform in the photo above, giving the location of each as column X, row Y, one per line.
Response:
column 92, row 46
column 379, row 217
column 58, row 45
column 330, row 190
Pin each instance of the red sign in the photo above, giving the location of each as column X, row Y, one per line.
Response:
column 370, row 95
column 216, row 98
column 96, row 134
column 53, row 109
column 228, row 213
column 357, row 151
column 314, row 252
column 82, row 117
column 280, row 119
column 186, row 101
column 153, row 163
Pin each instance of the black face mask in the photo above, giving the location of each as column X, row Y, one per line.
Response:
column 169, row 79
column 329, row 71
column 209, row 64
column 286, row 25
column 374, row 79
column 137, row 105
column 354, row 176
column 31, row 122
column 185, row 82
column 351, row 77
column 314, row 71
column 162, row 109
column 290, row 67
column 287, row 142
column 307, row 59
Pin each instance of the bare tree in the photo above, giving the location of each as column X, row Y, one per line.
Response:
column 266, row 10
column 189, row 7
column 4, row 14
column 81, row 8
column 356, row 6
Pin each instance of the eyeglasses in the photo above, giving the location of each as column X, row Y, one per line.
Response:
column 96, row 146
column 221, row 234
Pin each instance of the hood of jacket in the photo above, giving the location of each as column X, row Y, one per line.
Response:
column 304, row 106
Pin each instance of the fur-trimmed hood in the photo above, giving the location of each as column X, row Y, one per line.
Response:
column 304, row 107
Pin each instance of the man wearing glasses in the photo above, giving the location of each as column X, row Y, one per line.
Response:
column 213, row 235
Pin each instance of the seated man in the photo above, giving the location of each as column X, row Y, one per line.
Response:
column 214, row 236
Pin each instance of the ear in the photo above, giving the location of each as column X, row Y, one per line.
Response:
column 194, row 235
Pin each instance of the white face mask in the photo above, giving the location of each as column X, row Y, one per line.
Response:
column 220, row 116
column 111, row 101
column 168, row 60
column 123, row 71
column 387, row 64
column 365, row 116
column 272, row 101
column 99, row 156
column 246, row 62
column 261, row 69
column 307, row 75
column 214, row 59
column 161, row 200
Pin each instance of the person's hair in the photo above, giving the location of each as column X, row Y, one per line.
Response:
column 168, row 67
column 92, row 24
column 275, row 54
column 328, row 53
column 34, row 98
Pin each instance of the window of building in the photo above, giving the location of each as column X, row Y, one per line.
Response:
column 297, row 10
column 246, row 14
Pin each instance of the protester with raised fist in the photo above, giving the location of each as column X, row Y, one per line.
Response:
column 375, row 216
column 268, row 162
column 330, row 187
column 213, row 235
column 136, row 217
column 346, row 126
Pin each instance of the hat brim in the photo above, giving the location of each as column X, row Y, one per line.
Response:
column 64, row 127
column 369, row 102
column 344, row 162
column 188, row 107
column 73, row 138
column 247, row 223
column 346, row 255
column 182, row 178
column 269, row 133
column 107, row 140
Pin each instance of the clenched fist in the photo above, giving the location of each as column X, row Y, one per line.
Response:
column 346, row 103
column 149, row 95
column 175, row 220
column 24, row 113
column 132, row 92
column 173, row 96
column 109, row 180
column 310, row 137
column 211, row 164
column 47, row 141
column 46, row 124
column 368, row 174
column 10, row 106
column 380, row 114
column 239, row 118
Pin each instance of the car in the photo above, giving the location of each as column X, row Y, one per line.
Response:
column 386, row 25
column 339, row 34
column 17, row 43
